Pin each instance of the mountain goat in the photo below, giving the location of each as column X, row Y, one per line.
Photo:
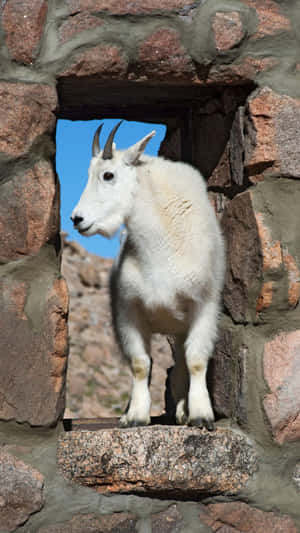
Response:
column 169, row 274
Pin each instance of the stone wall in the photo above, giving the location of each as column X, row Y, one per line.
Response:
column 224, row 77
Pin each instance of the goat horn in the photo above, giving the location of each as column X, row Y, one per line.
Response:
column 107, row 152
column 96, row 145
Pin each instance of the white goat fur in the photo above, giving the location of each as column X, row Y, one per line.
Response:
column 169, row 274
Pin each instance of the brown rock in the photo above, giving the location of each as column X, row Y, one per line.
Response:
column 127, row 7
column 21, row 491
column 244, row 262
column 168, row 521
column 272, row 140
column 106, row 61
column 228, row 30
column 266, row 296
column 238, row 517
column 293, row 278
column 89, row 275
column 89, row 523
column 76, row 24
column 281, row 372
column 227, row 375
column 23, row 22
column 29, row 212
column 156, row 62
column 33, row 342
column 271, row 19
column 141, row 460
column 242, row 71
column 26, row 112
column 221, row 176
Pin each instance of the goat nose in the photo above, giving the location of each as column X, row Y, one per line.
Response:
column 76, row 220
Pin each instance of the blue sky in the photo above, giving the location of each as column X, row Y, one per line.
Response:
column 74, row 144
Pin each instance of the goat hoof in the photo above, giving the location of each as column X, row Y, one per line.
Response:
column 125, row 423
column 202, row 422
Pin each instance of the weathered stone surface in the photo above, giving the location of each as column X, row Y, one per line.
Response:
column 228, row 30
column 126, row 7
column 76, row 24
column 244, row 262
column 29, row 212
column 227, row 374
column 168, row 521
column 26, row 112
column 243, row 70
column 238, row 517
column 90, row 523
column 282, row 374
column 280, row 265
column 21, row 491
column 271, row 19
column 89, row 275
column 272, row 139
column 155, row 61
column 141, row 460
column 23, row 22
column 221, row 176
column 33, row 342
column 105, row 60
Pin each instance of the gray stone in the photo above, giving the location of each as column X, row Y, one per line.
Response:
column 21, row 491
column 141, row 460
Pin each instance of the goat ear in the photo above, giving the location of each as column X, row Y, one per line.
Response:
column 133, row 153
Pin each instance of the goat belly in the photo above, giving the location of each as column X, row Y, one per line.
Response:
column 167, row 320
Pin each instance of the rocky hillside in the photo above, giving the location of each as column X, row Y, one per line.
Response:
column 98, row 379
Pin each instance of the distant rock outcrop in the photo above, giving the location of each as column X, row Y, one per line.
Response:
column 98, row 378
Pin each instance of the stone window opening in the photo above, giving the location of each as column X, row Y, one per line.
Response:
column 202, row 128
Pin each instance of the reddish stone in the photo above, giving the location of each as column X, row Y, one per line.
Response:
column 266, row 296
column 282, row 373
column 271, row 19
column 26, row 113
column 272, row 141
column 238, row 517
column 77, row 24
column 293, row 278
column 33, row 342
column 23, row 22
column 105, row 60
column 127, row 7
column 141, row 460
column 242, row 71
column 228, row 30
column 21, row 491
column 90, row 523
column 163, row 56
column 271, row 249
column 29, row 212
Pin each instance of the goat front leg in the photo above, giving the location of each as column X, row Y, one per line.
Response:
column 198, row 349
column 135, row 343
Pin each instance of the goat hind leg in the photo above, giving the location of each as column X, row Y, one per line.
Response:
column 178, row 382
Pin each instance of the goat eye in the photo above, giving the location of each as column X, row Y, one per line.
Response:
column 108, row 176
